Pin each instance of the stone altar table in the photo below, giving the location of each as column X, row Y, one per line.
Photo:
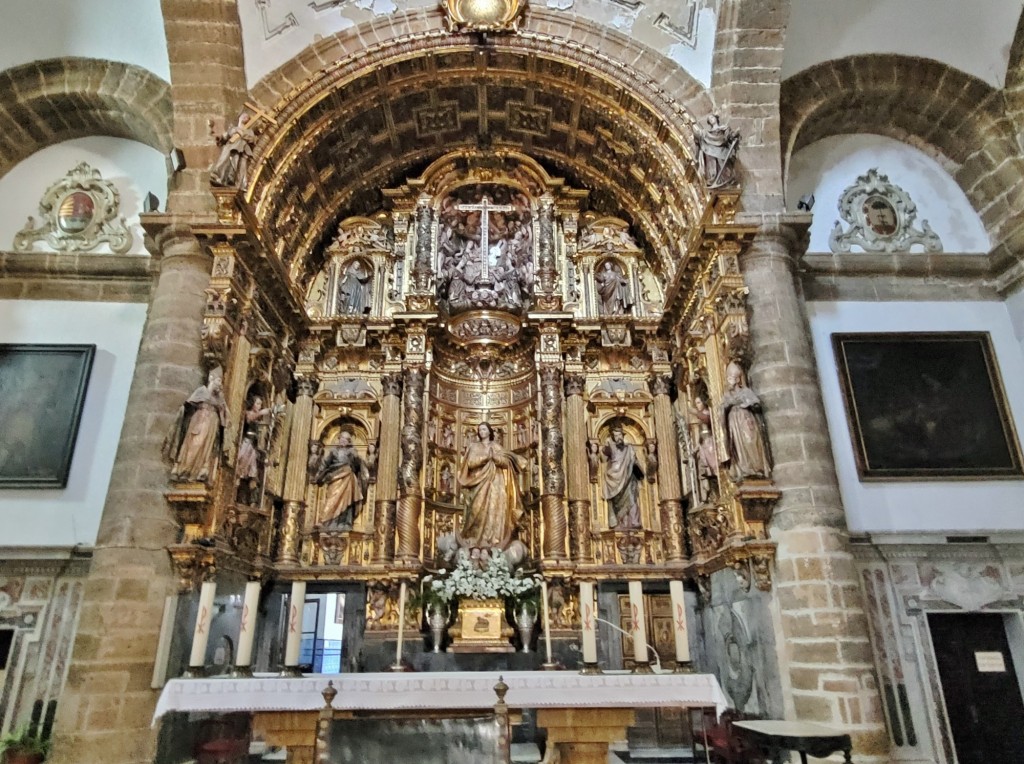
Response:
column 583, row 713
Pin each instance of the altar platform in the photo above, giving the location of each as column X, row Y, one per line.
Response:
column 582, row 714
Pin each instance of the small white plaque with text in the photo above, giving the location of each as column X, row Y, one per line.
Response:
column 990, row 663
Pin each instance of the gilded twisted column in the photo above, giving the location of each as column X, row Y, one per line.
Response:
column 581, row 544
column 410, row 501
column 552, row 474
column 422, row 268
column 387, row 469
column 670, row 490
column 296, row 475
column 547, row 268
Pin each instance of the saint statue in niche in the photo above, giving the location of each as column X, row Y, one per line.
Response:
column 193, row 444
column 704, row 450
column 232, row 166
column 612, row 290
column 485, row 248
column 345, row 476
column 354, row 289
column 745, row 430
column 488, row 471
column 622, row 476
column 247, row 466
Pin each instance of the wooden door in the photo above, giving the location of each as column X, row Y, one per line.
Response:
column 979, row 683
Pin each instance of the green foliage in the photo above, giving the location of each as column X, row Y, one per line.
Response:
column 25, row 740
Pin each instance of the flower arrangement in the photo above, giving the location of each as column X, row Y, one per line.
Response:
column 489, row 576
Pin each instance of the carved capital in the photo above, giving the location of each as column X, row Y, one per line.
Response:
column 660, row 384
column 305, row 386
column 574, row 384
column 392, row 384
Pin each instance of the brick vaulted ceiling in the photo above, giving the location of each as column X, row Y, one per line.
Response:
column 351, row 131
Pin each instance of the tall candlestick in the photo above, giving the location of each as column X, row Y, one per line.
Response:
column 682, row 635
column 401, row 627
column 296, row 603
column 546, row 621
column 588, row 619
column 638, row 626
column 201, row 635
column 247, row 629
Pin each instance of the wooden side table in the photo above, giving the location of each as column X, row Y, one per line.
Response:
column 805, row 738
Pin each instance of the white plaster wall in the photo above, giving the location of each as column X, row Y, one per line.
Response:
column 131, row 31
column 828, row 167
column 134, row 168
column 1015, row 307
column 973, row 36
column 278, row 30
column 923, row 506
column 69, row 516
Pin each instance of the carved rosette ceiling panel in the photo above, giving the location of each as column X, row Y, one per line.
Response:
column 78, row 213
column 880, row 216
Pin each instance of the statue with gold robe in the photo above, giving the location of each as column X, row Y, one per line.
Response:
column 489, row 472
column 345, row 476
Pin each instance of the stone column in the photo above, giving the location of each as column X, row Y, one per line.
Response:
column 410, row 501
column 387, row 469
column 581, row 545
column 552, row 473
column 296, row 476
column 105, row 711
column 670, row 491
column 831, row 672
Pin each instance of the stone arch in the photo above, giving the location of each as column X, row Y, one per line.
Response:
column 47, row 102
column 955, row 118
column 318, row 99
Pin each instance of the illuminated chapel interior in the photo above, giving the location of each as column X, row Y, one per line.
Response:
column 557, row 381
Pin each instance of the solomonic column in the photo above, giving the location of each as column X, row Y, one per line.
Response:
column 824, row 629
column 410, row 500
column 130, row 576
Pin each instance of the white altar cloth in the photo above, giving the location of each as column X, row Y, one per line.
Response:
column 456, row 689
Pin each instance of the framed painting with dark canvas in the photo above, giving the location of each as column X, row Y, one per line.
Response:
column 926, row 406
column 42, row 389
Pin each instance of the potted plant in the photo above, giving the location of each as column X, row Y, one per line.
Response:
column 24, row 746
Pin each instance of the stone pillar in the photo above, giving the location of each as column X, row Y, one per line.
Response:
column 552, row 473
column 670, row 491
column 824, row 626
column 581, row 544
column 296, row 475
column 410, row 501
column 387, row 469
column 105, row 711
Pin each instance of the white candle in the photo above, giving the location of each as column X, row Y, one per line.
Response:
column 675, row 589
column 247, row 630
column 546, row 616
column 588, row 619
column 296, row 603
column 638, row 627
column 401, row 623
column 201, row 635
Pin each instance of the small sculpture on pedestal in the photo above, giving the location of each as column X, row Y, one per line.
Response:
column 193, row 444
column 232, row 166
column 612, row 290
column 489, row 472
column 345, row 476
column 716, row 150
column 745, row 429
column 247, row 468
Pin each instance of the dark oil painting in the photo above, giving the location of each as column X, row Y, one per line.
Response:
column 926, row 406
column 42, row 389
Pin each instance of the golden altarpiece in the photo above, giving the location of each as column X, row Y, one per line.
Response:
column 485, row 290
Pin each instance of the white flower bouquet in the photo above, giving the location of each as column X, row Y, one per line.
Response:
column 490, row 576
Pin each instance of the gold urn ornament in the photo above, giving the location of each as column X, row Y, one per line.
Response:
column 483, row 15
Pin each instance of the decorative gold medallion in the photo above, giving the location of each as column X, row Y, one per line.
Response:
column 483, row 15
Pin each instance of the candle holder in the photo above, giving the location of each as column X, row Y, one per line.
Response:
column 399, row 668
column 194, row 672
column 290, row 672
column 241, row 672
column 551, row 666
column 683, row 667
column 591, row 669
column 642, row 667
